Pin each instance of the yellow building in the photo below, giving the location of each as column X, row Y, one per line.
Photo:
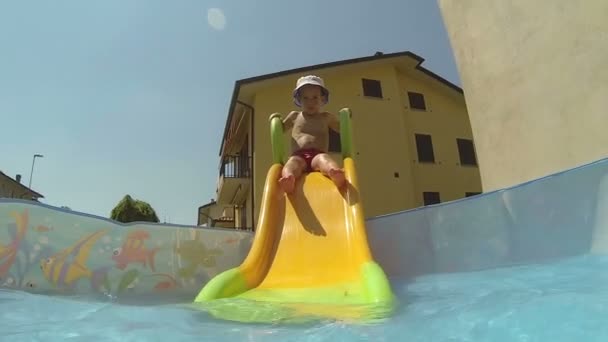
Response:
column 411, row 134
column 12, row 188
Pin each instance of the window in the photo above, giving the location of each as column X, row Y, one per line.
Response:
column 424, row 146
column 416, row 100
column 431, row 198
column 466, row 150
column 335, row 144
column 470, row 194
column 372, row 88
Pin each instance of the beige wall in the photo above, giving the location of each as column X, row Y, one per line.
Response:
column 535, row 75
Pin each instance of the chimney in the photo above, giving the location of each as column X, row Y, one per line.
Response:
column 18, row 178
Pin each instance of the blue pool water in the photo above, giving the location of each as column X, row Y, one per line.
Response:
column 564, row 300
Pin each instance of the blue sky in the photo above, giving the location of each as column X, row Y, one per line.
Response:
column 131, row 97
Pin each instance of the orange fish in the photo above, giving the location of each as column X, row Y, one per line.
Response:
column 169, row 284
column 134, row 250
column 139, row 234
column 43, row 229
column 231, row 240
column 164, row 285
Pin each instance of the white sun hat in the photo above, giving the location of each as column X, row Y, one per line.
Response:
column 309, row 79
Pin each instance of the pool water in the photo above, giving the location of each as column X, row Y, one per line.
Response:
column 564, row 300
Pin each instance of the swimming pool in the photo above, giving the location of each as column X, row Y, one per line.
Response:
column 521, row 264
column 565, row 300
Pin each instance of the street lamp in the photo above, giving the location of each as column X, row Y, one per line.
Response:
column 32, row 172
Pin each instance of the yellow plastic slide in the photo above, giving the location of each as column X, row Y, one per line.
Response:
column 310, row 248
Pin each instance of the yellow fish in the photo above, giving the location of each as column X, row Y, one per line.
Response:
column 8, row 253
column 65, row 268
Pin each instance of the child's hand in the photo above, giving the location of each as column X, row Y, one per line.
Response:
column 334, row 121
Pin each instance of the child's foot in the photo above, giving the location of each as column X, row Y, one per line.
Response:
column 337, row 176
column 287, row 183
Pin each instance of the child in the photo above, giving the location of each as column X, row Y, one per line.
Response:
column 309, row 130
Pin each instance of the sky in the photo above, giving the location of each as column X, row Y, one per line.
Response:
column 131, row 96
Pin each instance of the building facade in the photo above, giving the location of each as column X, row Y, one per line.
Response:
column 412, row 138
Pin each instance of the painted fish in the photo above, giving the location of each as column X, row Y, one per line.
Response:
column 134, row 250
column 168, row 284
column 164, row 285
column 127, row 280
column 196, row 255
column 43, row 229
column 229, row 241
column 8, row 253
column 65, row 268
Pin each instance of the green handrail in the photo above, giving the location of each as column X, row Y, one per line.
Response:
column 276, row 139
column 346, row 133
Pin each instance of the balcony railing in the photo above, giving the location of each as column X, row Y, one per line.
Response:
column 236, row 167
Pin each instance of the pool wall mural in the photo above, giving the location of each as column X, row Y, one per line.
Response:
column 44, row 249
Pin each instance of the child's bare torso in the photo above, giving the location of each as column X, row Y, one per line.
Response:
column 310, row 131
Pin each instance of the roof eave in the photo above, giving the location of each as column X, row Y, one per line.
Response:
column 34, row 193
column 213, row 202
column 235, row 95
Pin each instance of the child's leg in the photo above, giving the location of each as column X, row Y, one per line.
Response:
column 324, row 162
column 291, row 171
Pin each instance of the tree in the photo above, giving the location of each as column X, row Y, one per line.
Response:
column 130, row 210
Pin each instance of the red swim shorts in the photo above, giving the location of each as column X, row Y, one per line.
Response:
column 307, row 154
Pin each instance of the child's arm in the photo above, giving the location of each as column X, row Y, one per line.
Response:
column 288, row 121
column 333, row 122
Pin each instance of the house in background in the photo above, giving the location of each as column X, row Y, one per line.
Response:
column 214, row 215
column 12, row 188
column 412, row 138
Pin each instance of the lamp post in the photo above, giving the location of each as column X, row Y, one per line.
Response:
column 32, row 172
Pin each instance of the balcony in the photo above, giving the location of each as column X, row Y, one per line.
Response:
column 234, row 180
